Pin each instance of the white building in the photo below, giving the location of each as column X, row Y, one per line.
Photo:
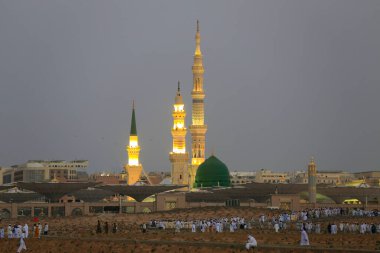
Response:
column 242, row 177
column 268, row 176
column 327, row 177
column 6, row 175
column 45, row 171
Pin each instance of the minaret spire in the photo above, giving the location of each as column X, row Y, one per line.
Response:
column 312, row 181
column 198, row 43
column 133, row 121
column 198, row 128
column 133, row 167
column 179, row 158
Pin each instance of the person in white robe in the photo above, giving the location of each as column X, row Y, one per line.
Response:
column 341, row 226
column 232, row 227
column 26, row 229
column 276, row 227
column 46, row 229
column 22, row 243
column 304, row 238
column 251, row 242
column 177, row 226
column 318, row 228
column 39, row 230
column 9, row 231
column 362, row 228
column 193, row 228
column 203, row 227
column 1, row 233
column 19, row 231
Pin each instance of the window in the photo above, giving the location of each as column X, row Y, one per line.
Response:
column 170, row 205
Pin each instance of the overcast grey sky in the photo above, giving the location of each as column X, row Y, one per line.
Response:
column 284, row 80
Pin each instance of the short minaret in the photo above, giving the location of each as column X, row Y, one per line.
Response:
column 133, row 168
column 312, row 181
column 179, row 158
column 198, row 128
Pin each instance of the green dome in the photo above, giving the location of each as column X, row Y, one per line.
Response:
column 323, row 199
column 212, row 172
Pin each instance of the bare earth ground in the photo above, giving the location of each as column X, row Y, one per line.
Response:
column 77, row 235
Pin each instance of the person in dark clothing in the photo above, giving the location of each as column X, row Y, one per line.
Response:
column 373, row 229
column 106, row 227
column 114, row 228
column 329, row 228
column 98, row 228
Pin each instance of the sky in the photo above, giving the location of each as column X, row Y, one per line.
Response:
column 284, row 80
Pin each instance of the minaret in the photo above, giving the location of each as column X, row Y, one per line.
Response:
column 133, row 168
column 312, row 181
column 197, row 129
column 179, row 158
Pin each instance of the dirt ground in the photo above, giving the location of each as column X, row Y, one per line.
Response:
column 77, row 235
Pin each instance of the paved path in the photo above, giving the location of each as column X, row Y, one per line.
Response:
column 213, row 244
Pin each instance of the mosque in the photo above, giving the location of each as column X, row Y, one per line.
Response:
column 195, row 173
column 208, row 178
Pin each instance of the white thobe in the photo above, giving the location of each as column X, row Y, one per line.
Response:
column 251, row 242
column 22, row 244
column 304, row 239
column 26, row 229
column 9, row 232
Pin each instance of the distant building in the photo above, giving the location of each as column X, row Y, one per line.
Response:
column 107, row 178
column 6, row 175
column 372, row 178
column 242, row 177
column 268, row 176
column 45, row 171
column 327, row 177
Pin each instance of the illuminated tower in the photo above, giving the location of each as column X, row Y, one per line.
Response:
column 312, row 181
column 197, row 129
column 133, row 168
column 179, row 158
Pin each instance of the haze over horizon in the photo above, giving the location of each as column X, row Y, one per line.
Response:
column 284, row 80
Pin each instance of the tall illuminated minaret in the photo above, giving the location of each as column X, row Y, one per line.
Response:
column 198, row 128
column 133, row 168
column 179, row 158
column 312, row 181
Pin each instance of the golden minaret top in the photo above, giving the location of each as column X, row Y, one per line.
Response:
column 198, row 41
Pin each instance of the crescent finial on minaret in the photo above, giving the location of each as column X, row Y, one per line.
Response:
column 179, row 89
column 197, row 25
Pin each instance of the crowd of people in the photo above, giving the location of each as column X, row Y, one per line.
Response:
column 307, row 219
column 17, row 231
column 105, row 226
column 318, row 220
